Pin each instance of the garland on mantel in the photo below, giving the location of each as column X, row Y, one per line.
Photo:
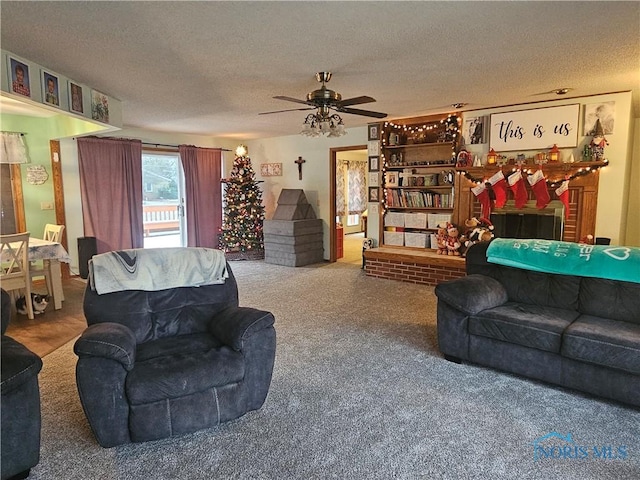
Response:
column 582, row 171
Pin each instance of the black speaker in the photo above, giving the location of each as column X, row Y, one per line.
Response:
column 87, row 248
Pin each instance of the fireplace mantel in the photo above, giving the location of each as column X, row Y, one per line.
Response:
column 583, row 192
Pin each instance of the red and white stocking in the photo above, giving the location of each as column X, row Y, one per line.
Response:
column 519, row 189
column 481, row 192
column 539, row 187
column 499, row 185
column 562, row 192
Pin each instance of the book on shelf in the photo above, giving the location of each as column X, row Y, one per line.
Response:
column 399, row 198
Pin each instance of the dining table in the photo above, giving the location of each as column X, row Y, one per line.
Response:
column 53, row 253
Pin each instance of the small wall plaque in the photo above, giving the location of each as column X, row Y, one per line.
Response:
column 271, row 169
column 36, row 175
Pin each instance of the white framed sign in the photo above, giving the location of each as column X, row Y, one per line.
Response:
column 535, row 129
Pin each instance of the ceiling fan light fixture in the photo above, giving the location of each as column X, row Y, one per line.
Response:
column 321, row 123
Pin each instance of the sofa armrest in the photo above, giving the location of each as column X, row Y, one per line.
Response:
column 19, row 364
column 234, row 325
column 108, row 340
column 472, row 294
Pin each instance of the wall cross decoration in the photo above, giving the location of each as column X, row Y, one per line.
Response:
column 300, row 161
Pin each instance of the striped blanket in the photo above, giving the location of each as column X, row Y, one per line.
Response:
column 156, row 269
column 567, row 258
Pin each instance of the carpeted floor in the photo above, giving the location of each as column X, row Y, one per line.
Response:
column 359, row 390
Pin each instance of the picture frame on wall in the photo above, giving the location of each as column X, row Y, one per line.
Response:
column 19, row 76
column 374, row 194
column 99, row 106
column 374, row 164
column 475, row 129
column 50, row 89
column 374, row 132
column 605, row 112
column 76, row 102
column 271, row 169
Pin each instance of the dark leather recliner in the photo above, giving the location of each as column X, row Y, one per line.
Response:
column 20, row 397
column 155, row 364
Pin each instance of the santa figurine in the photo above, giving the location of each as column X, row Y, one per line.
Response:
column 598, row 142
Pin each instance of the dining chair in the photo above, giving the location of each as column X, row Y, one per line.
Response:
column 52, row 233
column 14, row 275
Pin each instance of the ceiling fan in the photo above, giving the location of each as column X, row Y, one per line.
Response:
column 325, row 99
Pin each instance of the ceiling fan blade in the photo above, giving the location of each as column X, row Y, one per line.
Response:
column 366, row 113
column 287, row 110
column 356, row 101
column 291, row 99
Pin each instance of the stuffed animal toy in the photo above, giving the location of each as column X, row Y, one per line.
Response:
column 453, row 243
column 441, row 240
column 478, row 230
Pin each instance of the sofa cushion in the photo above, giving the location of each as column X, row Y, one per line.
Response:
column 193, row 343
column 526, row 286
column 533, row 326
column 604, row 342
column 610, row 299
column 182, row 373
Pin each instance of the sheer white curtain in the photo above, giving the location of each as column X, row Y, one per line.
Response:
column 13, row 148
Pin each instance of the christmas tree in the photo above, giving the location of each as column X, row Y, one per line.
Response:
column 243, row 216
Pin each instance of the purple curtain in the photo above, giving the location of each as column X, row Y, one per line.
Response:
column 111, row 189
column 202, row 175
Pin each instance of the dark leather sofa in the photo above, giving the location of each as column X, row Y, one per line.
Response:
column 155, row 364
column 20, row 403
column 576, row 332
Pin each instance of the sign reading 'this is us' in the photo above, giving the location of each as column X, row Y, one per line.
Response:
column 535, row 129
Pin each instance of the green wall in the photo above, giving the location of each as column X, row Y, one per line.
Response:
column 38, row 131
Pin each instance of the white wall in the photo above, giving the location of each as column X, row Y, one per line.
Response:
column 315, row 171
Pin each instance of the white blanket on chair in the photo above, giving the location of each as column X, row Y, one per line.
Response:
column 156, row 269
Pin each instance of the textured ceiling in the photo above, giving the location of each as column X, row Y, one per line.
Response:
column 211, row 67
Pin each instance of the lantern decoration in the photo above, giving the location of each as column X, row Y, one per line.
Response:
column 492, row 156
column 554, row 153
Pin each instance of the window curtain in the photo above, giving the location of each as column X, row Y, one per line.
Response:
column 341, row 180
column 203, row 194
column 357, row 187
column 12, row 148
column 111, row 190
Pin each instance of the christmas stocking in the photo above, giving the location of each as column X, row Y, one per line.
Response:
column 562, row 193
column 499, row 188
column 481, row 192
column 517, row 186
column 539, row 187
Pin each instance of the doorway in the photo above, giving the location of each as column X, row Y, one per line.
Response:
column 163, row 211
column 345, row 228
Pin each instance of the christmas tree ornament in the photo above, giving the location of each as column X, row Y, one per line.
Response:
column 519, row 189
column 539, row 186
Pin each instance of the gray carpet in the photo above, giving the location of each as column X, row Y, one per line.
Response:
column 359, row 390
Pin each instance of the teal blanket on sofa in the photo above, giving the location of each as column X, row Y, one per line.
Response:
column 567, row 258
